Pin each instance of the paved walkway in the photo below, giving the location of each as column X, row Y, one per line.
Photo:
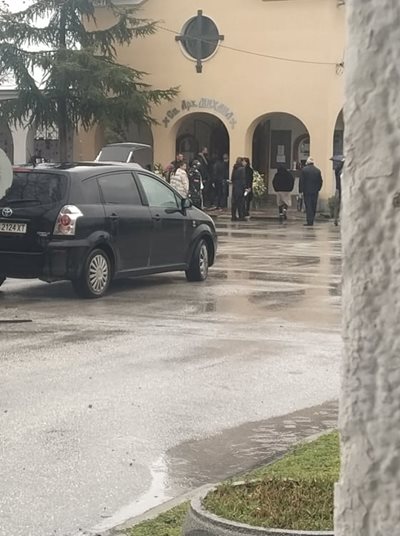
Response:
column 111, row 407
column 237, row 450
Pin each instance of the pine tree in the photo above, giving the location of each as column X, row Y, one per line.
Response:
column 81, row 82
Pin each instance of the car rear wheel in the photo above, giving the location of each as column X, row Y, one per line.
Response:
column 96, row 275
column 2, row 279
column 198, row 269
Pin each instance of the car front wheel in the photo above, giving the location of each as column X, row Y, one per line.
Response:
column 198, row 269
column 95, row 277
column 2, row 279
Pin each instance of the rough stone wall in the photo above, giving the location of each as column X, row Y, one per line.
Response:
column 368, row 496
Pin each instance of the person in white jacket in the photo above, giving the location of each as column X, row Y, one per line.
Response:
column 180, row 180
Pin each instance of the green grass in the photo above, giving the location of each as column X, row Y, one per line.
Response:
column 295, row 493
column 320, row 459
column 167, row 524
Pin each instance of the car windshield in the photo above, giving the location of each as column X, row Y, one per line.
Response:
column 35, row 187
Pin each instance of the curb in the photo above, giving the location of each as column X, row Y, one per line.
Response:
column 201, row 521
column 150, row 514
column 189, row 496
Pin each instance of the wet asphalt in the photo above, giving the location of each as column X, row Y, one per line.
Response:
column 110, row 407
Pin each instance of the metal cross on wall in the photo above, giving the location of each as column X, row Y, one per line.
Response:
column 198, row 34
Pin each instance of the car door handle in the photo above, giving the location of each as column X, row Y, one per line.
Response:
column 114, row 217
column 157, row 217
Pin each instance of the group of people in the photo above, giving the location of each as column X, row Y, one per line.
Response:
column 206, row 182
column 310, row 185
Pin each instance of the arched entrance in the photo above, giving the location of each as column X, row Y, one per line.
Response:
column 279, row 139
column 200, row 130
column 6, row 141
column 43, row 143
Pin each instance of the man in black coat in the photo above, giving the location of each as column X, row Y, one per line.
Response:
column 205, row 170
column 310, row 186
column 218, row 179
column 238, row 190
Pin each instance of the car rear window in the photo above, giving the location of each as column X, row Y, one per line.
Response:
column 36, row 187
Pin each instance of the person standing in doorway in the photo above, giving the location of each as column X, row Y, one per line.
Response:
column 225, row 181
column 196, row 184
column 248, row 194
column 238, row 190
column 173, row 167
column 283, row 184
column 177, row 162
column 180, row 180
column 310, row 186
column 208, row 193
column 218, row 179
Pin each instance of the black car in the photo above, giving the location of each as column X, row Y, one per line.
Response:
column 91, row 223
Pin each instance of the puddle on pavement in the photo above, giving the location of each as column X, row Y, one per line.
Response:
column 278, row 299
column 240, row 449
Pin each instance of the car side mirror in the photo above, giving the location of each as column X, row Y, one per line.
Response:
column 186, row 203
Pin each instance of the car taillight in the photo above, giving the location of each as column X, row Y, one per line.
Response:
column 66, row 221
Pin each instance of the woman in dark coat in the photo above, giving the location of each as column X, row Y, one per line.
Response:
column 249, row 185
column 238, row 190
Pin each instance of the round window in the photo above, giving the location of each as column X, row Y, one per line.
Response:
column 200, row 37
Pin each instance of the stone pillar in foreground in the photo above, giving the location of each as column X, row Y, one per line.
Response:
column 368, row 496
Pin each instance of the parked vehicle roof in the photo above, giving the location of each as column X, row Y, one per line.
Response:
column 84, row 169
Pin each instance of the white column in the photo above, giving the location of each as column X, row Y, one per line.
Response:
column 20, row 136
column 368, row 496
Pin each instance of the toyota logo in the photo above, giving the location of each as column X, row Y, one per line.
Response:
column 7, row 212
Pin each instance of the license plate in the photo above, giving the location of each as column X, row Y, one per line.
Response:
column 19, row 228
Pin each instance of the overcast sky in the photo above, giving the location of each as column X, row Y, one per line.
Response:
column 17, row 5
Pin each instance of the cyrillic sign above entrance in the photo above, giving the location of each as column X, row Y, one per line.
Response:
column 201, row 105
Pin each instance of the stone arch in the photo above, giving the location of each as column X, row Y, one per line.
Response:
column 201, row 129
column 278, row 138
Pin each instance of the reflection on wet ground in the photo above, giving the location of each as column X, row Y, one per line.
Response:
column 260, row 266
